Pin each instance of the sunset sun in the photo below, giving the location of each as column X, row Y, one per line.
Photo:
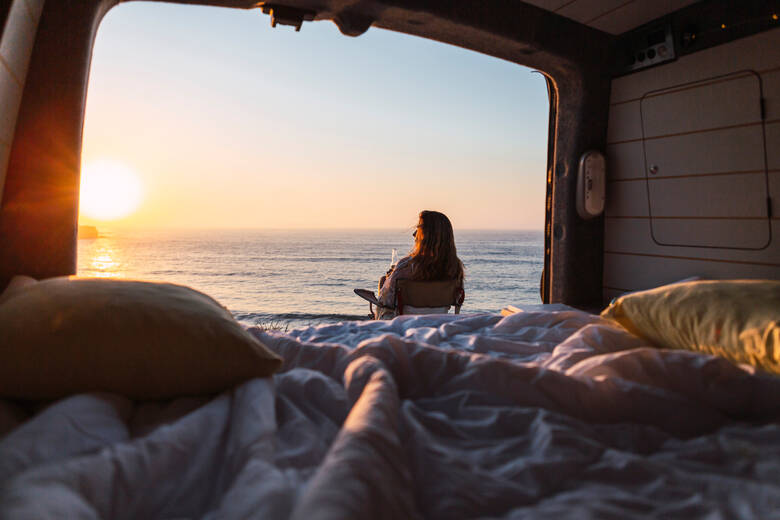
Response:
column 109, row 190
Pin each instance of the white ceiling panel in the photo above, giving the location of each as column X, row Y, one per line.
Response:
column 550, row 5
column 584, row 11
column 612, row 16
column 637, row 13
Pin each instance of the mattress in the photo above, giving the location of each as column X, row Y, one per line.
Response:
column 539, row 414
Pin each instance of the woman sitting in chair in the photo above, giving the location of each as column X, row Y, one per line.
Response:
column 433, row 258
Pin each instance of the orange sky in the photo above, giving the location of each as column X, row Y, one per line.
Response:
column 231, row 124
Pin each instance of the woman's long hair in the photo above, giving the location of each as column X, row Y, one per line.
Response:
column 434, row 256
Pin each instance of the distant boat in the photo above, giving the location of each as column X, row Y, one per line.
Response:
column 88, row 232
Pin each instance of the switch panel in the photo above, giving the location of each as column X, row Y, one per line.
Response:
column 647, row 48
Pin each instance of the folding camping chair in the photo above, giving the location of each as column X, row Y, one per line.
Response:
column 416, row 297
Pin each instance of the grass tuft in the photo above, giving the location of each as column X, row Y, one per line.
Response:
column 273, row 325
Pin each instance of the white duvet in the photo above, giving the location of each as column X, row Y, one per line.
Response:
column 536, row 415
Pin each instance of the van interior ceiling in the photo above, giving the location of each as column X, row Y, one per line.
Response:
column 695, row 194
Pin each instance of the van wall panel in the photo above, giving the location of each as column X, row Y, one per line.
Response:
column 773, row 145
column 16, row 43
column 718, row 181
column 771, row 86
column 10, row 96
column 724, row 233
column 625, row 161
column 624, row 123
column 636, row 272
column 729, row 150
column 610, row 294
column 632, row 235
column 716, row 196
column 36, row 8
column 18, row 39
column 660, row 113
column 5, row 152
column 626, row 199
column 760, row 52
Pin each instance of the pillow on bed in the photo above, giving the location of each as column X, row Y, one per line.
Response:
column 16, row 284
column 140, row 339
column 736, row 319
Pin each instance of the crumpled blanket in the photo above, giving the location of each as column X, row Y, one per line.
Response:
column 535, row 415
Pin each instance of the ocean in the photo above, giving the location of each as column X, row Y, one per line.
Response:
column 289, row 279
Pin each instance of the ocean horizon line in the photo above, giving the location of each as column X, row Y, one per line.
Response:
column 110, row 228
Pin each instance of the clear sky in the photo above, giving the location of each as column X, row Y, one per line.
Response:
column 230, row 123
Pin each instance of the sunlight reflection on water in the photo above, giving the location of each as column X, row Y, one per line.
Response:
column 100, row 258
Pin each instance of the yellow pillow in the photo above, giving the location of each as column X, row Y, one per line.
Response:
column 736, row 319
column 16, row 284
column 140, row 339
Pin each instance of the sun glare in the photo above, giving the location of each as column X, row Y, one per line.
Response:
column 109, row 190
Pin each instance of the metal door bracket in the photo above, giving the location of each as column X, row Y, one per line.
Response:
column 285, row 15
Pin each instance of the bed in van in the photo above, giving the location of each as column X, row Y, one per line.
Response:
column 143, row 400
